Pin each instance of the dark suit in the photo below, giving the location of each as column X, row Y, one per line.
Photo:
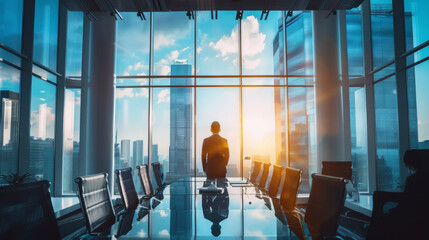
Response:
column 215, row 156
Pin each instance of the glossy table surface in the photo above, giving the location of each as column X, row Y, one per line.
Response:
column 181, row 212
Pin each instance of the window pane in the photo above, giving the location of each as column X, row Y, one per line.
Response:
column 222, row 105
column 354, row 41
column 132, row 45
column 383, row 49
column 173, row 131
column 418, row 100
column 299, row 38
column 173, row 35
column 46, row 33
column 416, row 19
column 358, row 129
column 387, row 135
column 217, row 44
column 74, row 43
column 263, row 110
column 132, row 82
column 302, row 145
column 42, row 130
column 71, row 139
column 260, row 39
column 131, row 128
column 218, row 81
column 11, row 23
column 9, row 118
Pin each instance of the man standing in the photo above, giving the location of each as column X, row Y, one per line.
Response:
column 215, row 154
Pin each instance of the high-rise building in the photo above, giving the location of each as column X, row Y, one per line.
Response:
column 9, row 110
column 137, row 153
column 180, row 122
column 125, row 153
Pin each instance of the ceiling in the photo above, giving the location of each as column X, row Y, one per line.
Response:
column 201, row 5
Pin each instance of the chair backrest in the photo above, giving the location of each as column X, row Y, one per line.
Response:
column 326, row 199
column 26, row 212
column 124, row 179
column 255, row 172
column 275, row 181
column 143, row 172
column 290, row 188
column 157, row 172
column 264, row 176
column 95, row 202
column 341, row 169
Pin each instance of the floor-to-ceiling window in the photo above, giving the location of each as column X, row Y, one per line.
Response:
column 182, row 72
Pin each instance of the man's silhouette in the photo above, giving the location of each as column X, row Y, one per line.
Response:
column 215, row 154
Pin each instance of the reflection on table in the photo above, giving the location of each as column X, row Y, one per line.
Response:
column 180, row 212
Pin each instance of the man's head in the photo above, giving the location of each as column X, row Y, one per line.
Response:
column 215, row 128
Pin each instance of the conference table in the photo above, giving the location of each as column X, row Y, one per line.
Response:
column 180, row 211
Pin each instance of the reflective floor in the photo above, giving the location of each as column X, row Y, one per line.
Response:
column 181, row 212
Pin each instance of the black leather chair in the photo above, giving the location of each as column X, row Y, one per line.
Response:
column 26, row 212
column 341, row 169
column 159, row 175
column 275, row 181
column 264, row 176
column 256, row 171
column 326, row 200
column 95, row 202
column 143, row 172
column 124, row 179
column 290, row 188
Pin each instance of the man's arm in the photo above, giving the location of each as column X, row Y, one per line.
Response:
column 204, row 155
column 226, row 152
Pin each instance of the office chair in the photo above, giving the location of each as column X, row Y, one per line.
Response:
column 26, row 212
column 256, row 171
column 143, row 172
column 95, row 202
column 326, row 199
column 290, row 188
column 341, row 169
column 275, row 181
column 263, row 179
column 124, row 179
column 159, row 176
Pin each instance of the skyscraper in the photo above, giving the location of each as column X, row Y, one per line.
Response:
column 180, row 122
column 9, row 110
column 125, row 153
column 137, row 153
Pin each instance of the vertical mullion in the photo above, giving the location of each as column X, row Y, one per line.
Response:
column 150, row 102
column 401, row 82
column 241, row 98
column 195, row 100
column 285, row 66
column 60, row 100
column 25, row 86
column 345, row 84
column 84, row 95
column 369, row 94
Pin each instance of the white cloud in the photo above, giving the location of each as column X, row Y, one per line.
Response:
column 163, row 213
column 164, row 233
column 225, row 59
column 184, row 49
column 253, row 40
column 163, row 66
column 142, row 81
column 199, row 49
column 162, row 40
column 164, row 96
column 124, row 93
column 205, row 59
column 250, row 64
column 136, row 69
column 144, row 92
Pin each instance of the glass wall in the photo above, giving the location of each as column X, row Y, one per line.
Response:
column 46, row 33
column 42, row 130
column 71, row 136
column 177, row 101
column 11, row 28
column 9, row 121
column 74, row 44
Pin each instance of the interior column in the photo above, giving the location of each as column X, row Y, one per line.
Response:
column 101, row 96
column 329, row 123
